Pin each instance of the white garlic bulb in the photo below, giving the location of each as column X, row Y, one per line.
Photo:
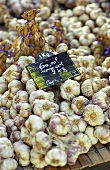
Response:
column 3, row 85
column 45, row 109
column 65, row 106
column 34, row 127
column 69, row 89
column 93, row 115
column 25, row 110
column 14, row 86
column 84, row 141
column 30, row 86
column 3, row 132
column 56, row 157
column 25, row 76
column 6, row 148
column 8, row 164
column 90, row 132
column 23, row 61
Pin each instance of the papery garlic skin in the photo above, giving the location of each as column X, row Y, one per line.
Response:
column 22, row 152
column 45, row 109
column 78, row 104
column 77, row 123
column 6, row 148
column 23, row 61
column 15, row 136
column 4, row 113
column 72, row 153
column 25, row 110
column 58, row 124
column 102, row 133
column 41, row 95
column 90, row 132
column 100, row 99
column 14, row 86
column 12, row 73
column 65, row 106
column 87, row 88
column 25, row 76
column 6, row 100
column 13, row 112
column 3, row 132
column 56, row 157
column 30, row 86
column 93, row 115
column 84, row 141
column 34, row 124
column 8, row 164
column 3, row 85
column 69, row 89
column 42, row 141
column 38, row 159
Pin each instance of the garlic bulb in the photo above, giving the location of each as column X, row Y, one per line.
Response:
column 6, row 148
column 41, row 95
column 69, row 89
column 25, row 76
column 23, row 61
column 44, row 108
column 22, row 153
column 12, row 73
column 14, row 86
column 106, row 65
column 20, row 98
column 56, row 157
column 25, row 136
column 98, row 84
column 100, row 99
column 25, row 110
column 72, row 153
column 30, row 86
column 3, row 132
column 93, row 115
column 102, row 133
column 58, row 124
column 8, row 164
column 82, row 75
column 4, row 113
column 6, row 100
column 106, row 90
column 87, row 39
column 3, row 85
column 15, row 136
column 42, row 141
column 34, row 127
column 77, row 123
column 78, row 104
column 13, row 112
column 38, row 159
column 65, row 106
column 84, row 141
column 90, row 132
column 87, row 88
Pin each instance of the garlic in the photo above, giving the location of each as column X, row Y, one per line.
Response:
column 79, row 10
column 106, row 66
column 45, row 12
column 25, row 110
column 56, row 157
column 6, row 148
column 1, row 121
column 98, row 84
column 93, row 115
column 25, row 76
column 3, row 132
column 42, row 141
column 82, row 75
column 84, row 18
column 45, row 109
column 100, row 99
column 30, row 86
column 101, row 20
column 106, row 90
column 58, row 124
column 13, row 112
column 43, row 25
column 107, row 116
column 34, row 127
column 84, row 141
column 38, row 159
column 69, row 89
column 6, row 100
column 62, row 47
column 87, row 88
column 87, row 39
column 12, row 73
column 90, row 132
column 87, row 61
column 20, row 98
column 4, row 113
column 8, row 164
column 74, row 43
column 51, row 40
column 15, row 136
column 73, row 153
column 65, row 106
column 77, row 123
column 91, row 7
column 22, row 153
column 25, row 136
column 78, row 104
column 93, row 74
column 14, row 86
column 95, row 13
column 102, row 133
column 23, row 61
column 90, row 24
column 3, row 85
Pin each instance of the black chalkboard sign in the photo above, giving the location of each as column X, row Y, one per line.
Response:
column 43, row 55
column 52, row 70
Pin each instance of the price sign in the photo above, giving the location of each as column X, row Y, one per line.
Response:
column 52, row 70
